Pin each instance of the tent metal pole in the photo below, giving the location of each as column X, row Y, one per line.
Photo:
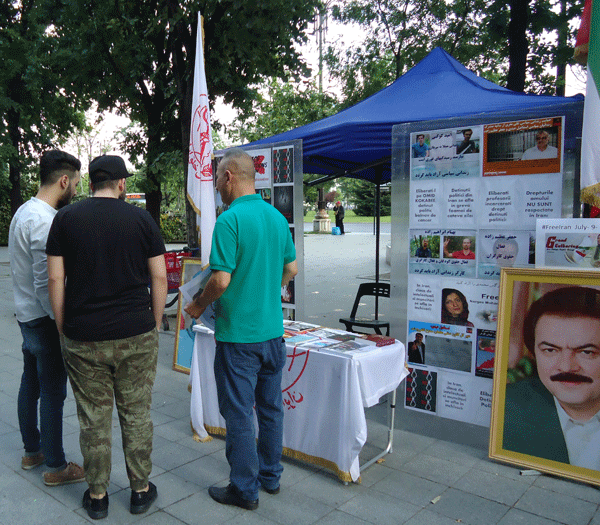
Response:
column 379, row 172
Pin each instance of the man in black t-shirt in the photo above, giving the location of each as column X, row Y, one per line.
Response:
column 102, row 253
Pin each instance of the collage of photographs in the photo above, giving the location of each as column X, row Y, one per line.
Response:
column 476, row 194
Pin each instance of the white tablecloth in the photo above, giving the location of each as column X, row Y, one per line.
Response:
column 324, row 396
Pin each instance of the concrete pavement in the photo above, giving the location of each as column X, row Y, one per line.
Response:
column 425, row 481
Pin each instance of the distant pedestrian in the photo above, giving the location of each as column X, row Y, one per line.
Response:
column 44, row 377
column 102, row 254
column 339, row 216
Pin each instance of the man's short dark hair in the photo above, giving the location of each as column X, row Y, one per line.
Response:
column 54, row 162
column 106, row 183
column 572, row 301
column 420, row 135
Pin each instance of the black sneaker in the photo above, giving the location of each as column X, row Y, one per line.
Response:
column 141, row 501
column 96, row 508
column 231, row 496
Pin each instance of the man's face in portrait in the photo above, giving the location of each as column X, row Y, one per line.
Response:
column 541, row 140
column 419, row 338
column 425, row 244
column 567, row 352
column 466, row 245
column 467, row 134
column 421, row 139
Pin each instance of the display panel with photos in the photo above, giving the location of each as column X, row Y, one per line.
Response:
column 276, row 184
column 475, row 194
column 547, row 376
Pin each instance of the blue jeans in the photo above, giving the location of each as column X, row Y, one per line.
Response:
column 45, row 379
column 249, row 375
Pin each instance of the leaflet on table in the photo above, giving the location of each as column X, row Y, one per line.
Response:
column 300, row 338
column 568, row 243
column 194, row 287
column 297, row 326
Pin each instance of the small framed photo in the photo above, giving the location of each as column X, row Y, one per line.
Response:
column 546, row 401
column 184, row 333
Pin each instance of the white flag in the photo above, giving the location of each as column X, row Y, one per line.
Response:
column 200, row 187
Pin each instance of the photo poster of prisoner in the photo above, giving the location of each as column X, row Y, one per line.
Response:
column 568, row 243
column 451, row 328
column 447, row 253
column 475, row 195
column 523, row 147
column 449, row 153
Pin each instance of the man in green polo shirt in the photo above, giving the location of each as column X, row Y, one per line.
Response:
column 252, row 257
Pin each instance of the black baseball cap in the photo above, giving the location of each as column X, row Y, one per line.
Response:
column 112, row 165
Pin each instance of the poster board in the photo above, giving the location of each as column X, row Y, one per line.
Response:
column 184, row 335
column 547, row 375
column 465, row 204
column 279, row 181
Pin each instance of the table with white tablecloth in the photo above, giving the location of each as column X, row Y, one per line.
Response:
column 324, row 395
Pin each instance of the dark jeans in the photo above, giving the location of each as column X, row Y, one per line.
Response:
column 249, row 375
column 45, row 379
column 340, row 224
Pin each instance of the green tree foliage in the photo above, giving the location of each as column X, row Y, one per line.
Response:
column 511, row 43
column 38, row 106
column 138, row 58
column 361, row 194
column 282, row 106
column 285, row 105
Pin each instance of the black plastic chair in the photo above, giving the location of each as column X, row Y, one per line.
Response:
column 368, row 289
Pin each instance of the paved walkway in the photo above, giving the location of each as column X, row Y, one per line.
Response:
column 424, row 482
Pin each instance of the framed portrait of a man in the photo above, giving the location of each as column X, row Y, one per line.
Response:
column 546, row 401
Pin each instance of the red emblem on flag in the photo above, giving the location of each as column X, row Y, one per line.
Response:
column 200, row 142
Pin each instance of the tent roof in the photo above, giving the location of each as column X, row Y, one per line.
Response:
column 437, row 87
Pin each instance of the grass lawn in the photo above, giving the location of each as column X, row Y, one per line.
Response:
column 349, row 218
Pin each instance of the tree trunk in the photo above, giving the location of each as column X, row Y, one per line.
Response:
column 154, row 194
column 517, row 44
column 14, row 162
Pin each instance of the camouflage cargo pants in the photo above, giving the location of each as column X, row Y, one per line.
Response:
column 124, row 369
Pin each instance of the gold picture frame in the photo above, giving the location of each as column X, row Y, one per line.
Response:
column 540, row 328
column 184, row 336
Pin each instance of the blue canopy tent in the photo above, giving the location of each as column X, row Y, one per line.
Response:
column 357, row 142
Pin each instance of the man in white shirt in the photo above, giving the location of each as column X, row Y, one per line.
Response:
column 44, row 377
column 541, row 150
column 556, row 415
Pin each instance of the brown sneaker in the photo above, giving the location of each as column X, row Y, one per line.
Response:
column 72, row 473
column 29, row 462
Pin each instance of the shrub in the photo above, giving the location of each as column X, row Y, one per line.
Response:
column 172, row 228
